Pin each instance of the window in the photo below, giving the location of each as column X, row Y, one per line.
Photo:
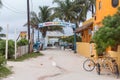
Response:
column 94, row 17
column 100, row 5
column 115, row 3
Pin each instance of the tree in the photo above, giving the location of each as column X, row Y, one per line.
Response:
column 22, row 42
column 108, row 34
column 1, row 34
column 0, row 3
column 43, row 16
column 92, row 6
column 74, row 11
column 10, row 48
column 70, row 39
column 64, row 9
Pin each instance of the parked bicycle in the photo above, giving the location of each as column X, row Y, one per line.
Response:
column 89, row 64
column 103, row 62
column 108, row 63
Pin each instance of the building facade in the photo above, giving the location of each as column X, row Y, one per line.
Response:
column 103, row 8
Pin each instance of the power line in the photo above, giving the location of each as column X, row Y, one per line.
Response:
column 12, row 9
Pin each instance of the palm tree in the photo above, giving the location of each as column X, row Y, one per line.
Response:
column 0, row 3
column 92, row 6
column 81, row 10
column 1, row 35
column 42, row 16
column 64, row 10
column 73, row 11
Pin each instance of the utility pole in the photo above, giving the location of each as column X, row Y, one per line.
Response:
column 15, row 45
column 6, row 50
column 28, row 21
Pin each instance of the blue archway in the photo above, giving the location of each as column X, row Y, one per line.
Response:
column 63, row 24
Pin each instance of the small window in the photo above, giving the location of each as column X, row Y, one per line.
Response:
column 100, row 5
column 95, row 18
column 115, row 3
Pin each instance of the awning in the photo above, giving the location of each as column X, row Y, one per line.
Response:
column 83, row 27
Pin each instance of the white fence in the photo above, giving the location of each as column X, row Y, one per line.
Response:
column 21, row 50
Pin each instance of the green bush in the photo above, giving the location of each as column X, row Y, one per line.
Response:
column 2, row 60
column 10, row 48
column 2, row 47
column 4, row 72
column 22, row 42
column 108, row 35
column 70, row 39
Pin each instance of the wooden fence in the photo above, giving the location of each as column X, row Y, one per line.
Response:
column 21, row 50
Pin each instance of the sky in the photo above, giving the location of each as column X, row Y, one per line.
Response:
column 14, row 14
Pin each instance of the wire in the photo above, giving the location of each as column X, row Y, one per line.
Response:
column 12, row 9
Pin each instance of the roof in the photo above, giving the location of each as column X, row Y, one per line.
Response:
column 83, row 27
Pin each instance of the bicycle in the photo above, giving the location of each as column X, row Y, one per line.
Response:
column 89, row 64
column 108, row 63
column 105, row 62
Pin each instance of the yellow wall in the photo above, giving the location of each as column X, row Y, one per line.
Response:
column 106, row 9
column 83, row 48
column 116, row 55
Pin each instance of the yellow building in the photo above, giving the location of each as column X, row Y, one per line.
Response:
column 103, row 9
column 85, row 30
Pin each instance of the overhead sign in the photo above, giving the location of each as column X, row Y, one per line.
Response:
column 64, row 24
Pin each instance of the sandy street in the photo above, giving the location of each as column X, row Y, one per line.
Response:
column 55, row 65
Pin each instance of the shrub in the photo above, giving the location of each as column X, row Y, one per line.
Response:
column 22, row 42
column 2, row 60
column 108, row 35
column 70, row 39
column 10, row 48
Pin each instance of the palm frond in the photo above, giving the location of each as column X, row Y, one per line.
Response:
column 2, row 35
column 1, row 4
column 1, row 29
